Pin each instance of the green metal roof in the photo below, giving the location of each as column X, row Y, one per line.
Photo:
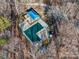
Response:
column 31, row 32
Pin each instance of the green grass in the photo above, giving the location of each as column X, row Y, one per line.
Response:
column 3, row 41
column 4, row 23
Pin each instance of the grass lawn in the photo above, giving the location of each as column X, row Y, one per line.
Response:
column 3, row 41
column 4, row 23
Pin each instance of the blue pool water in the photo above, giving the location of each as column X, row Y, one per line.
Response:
column 33, row 14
